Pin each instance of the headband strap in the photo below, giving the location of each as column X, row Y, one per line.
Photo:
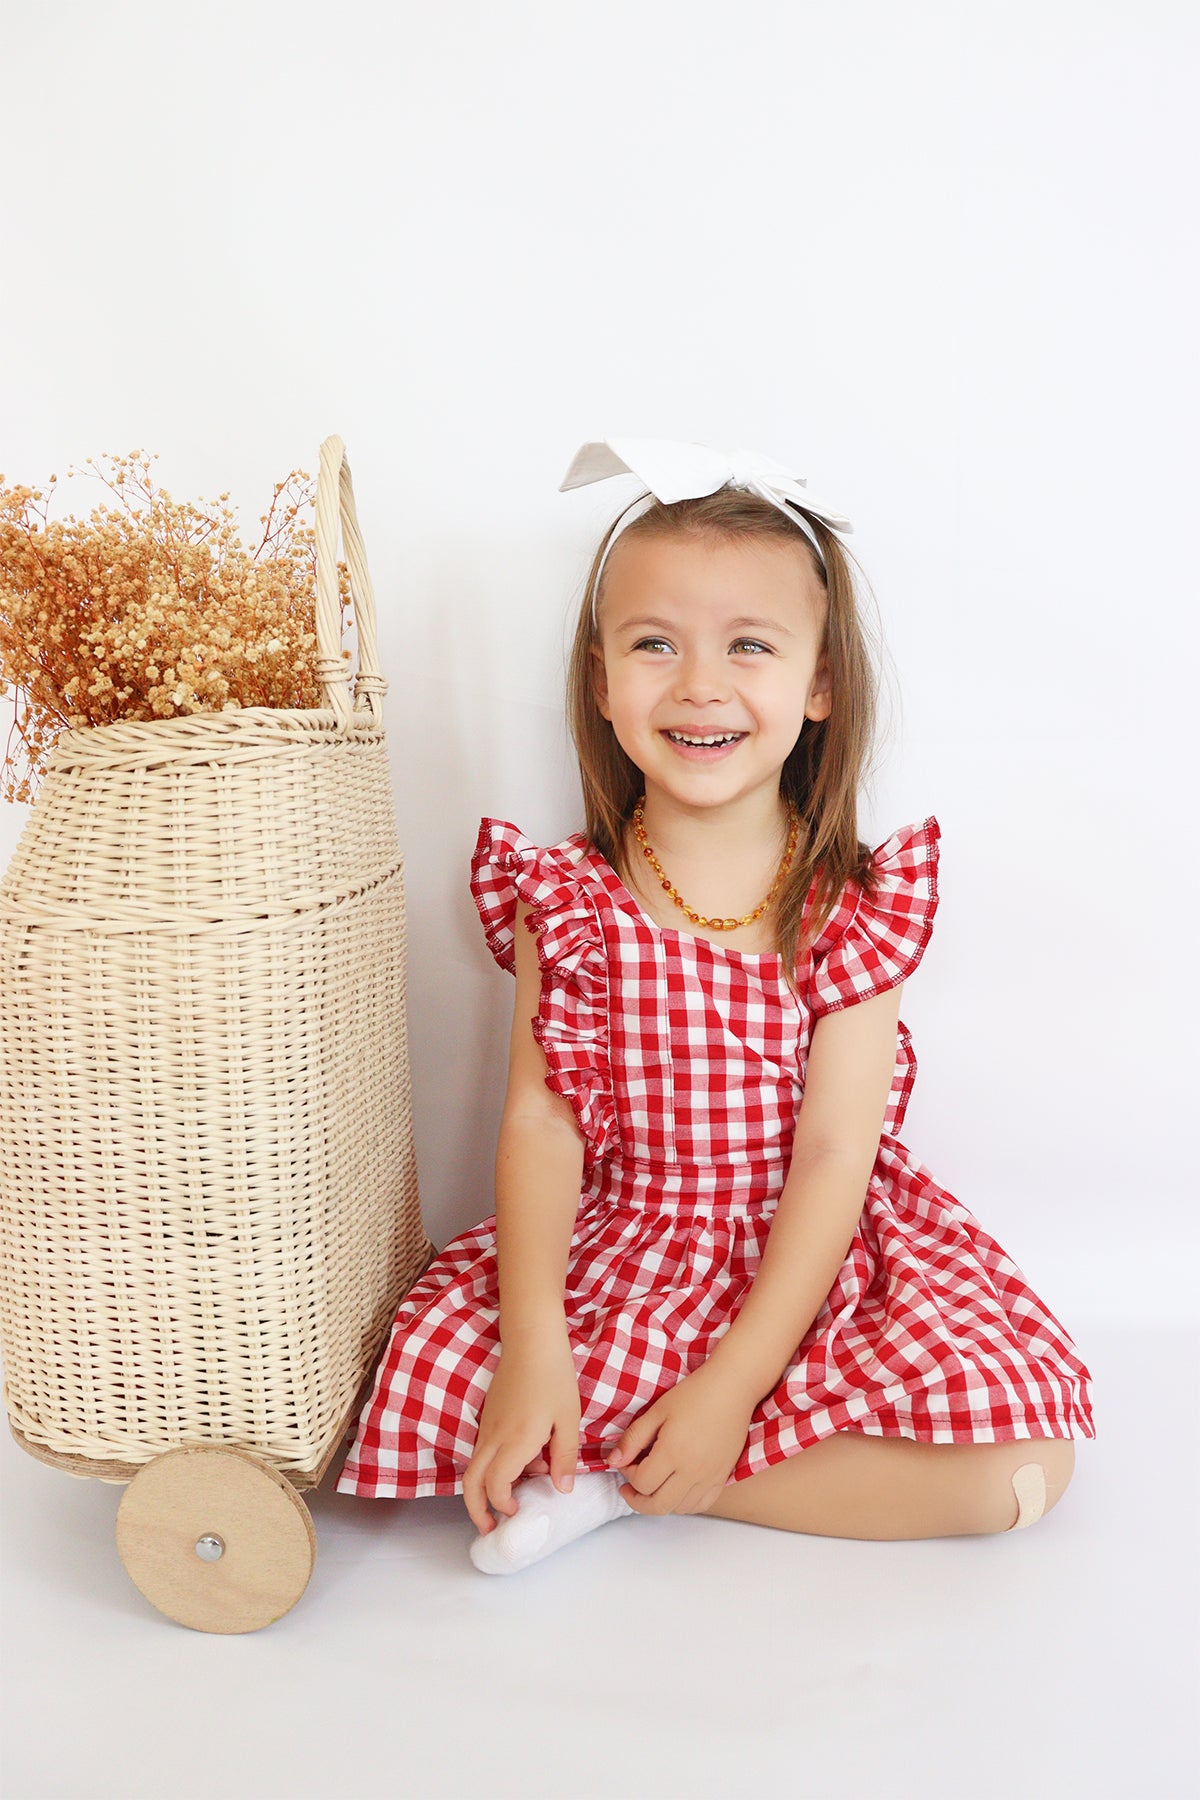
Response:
column 677, row 471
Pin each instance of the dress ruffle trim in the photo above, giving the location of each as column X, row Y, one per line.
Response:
column 886, row 935
column 571, row 1025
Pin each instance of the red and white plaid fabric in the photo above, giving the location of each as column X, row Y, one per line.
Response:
column 684, row 1062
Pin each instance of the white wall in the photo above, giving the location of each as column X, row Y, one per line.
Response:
column 942, row 257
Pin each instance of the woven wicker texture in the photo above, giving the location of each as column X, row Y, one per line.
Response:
column 208, row 1195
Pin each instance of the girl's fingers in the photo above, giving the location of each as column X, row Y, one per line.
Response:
column 562, row 1471
column 652, row 1473
column 474, row 1497
column 500, row 1484
column 665, row 1497
column 539, row 1466
column 564, row 1455
column 632, row 1442
column 484, row 1483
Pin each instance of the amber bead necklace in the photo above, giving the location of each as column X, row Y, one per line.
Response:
column 639, row 832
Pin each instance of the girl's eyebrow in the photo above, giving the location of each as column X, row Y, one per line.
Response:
column 734, row 625
column 761, row 625
column 647, row 624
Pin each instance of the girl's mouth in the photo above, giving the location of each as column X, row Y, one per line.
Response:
column 696, row 746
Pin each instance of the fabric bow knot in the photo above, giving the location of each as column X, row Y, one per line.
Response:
column 682, row 471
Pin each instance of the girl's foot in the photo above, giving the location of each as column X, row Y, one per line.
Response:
column 546, row 1519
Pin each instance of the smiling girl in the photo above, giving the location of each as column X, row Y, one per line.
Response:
column 716, row 1280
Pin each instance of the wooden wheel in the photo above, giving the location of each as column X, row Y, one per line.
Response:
column 216, row 1538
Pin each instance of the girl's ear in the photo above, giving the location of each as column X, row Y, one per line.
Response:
column 600, row 681
column 820, row 694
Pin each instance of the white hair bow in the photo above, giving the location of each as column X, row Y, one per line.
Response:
column 677, row 471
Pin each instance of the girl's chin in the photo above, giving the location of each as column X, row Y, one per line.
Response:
column 702, row 793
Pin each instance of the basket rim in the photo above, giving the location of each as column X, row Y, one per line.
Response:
column 235, row 715
column 77, row 744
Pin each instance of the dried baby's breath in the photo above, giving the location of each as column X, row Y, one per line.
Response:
column 149, row 611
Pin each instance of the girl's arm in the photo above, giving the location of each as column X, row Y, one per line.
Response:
column 533, row 1396
column 851, row 1063
column 539, row 1169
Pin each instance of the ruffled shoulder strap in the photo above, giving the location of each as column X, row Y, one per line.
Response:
column 507, row 867
column 562, row 889
column 884, row 934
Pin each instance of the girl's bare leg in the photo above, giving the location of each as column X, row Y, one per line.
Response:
column 856, row 1486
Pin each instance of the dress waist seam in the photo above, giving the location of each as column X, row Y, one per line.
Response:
column 737, row 1167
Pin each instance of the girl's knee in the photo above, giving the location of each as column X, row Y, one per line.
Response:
column 1057, row 1456
column 1039, row 1480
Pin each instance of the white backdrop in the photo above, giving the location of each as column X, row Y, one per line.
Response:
column 941, row 257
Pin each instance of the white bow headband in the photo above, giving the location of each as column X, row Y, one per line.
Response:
column 677, row 471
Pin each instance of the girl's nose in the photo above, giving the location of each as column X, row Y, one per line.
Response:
column 702, row 678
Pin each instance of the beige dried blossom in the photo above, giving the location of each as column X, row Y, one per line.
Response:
column 151, row 612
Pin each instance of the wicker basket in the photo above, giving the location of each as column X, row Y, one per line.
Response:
column 208, row 1196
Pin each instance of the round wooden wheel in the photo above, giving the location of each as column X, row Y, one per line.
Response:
column 216, row 1539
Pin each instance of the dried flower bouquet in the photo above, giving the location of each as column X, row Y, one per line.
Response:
column 150, row 610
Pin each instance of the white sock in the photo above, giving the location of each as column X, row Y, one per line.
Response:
column 546, row 1519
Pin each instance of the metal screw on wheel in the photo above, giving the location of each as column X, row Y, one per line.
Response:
column 216, row 1538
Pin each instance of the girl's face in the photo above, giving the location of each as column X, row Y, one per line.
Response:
column 709, row 661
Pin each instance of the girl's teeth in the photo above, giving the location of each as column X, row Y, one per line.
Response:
column 703, row 742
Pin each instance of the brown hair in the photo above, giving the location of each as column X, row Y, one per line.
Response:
column 822, row 776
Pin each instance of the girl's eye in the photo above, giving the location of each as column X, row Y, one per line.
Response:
column 742, row 645
column 652, row 644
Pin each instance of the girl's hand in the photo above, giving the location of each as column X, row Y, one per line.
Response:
column 533, row 1400
column 688, row 1442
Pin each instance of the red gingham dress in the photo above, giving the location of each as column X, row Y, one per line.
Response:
column 684, row 1062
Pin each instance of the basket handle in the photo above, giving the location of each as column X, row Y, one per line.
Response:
column 335, row 496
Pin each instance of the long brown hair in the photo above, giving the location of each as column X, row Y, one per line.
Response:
column 824, row 772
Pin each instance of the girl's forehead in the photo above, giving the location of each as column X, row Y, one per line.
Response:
column 705, row 575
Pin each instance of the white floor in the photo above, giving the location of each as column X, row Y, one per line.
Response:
column 658, row 1658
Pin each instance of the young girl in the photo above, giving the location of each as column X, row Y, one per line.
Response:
column 716, row 1281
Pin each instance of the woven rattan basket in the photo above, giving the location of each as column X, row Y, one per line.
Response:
column 208, row 1196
